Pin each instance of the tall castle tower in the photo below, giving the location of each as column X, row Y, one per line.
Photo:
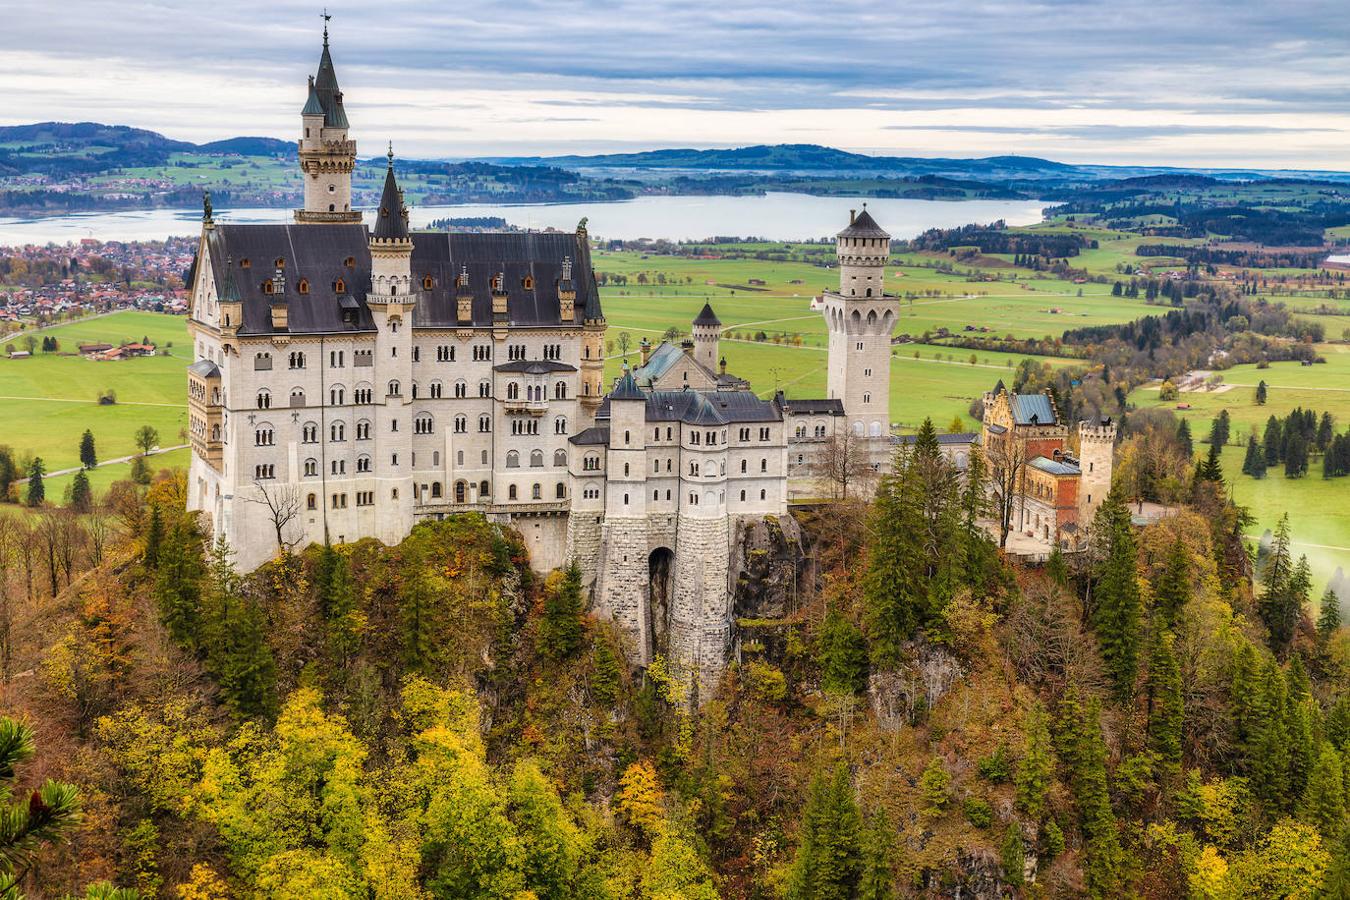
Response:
column 592, row 340
column 707, row 330
column 860, row 318
column 1096, row 444
column 391, row 301
column 327, row 157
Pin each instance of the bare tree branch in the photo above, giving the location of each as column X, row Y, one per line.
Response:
column 283, row 507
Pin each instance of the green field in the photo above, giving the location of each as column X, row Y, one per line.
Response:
column 48, row 400
column 1319, row 510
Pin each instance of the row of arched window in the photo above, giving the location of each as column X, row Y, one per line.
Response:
column 536, row 459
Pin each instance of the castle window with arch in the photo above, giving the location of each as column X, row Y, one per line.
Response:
column 309, row 434
column 560, row 457
column 337, row 432
column 536, row 491
column 512, row 459
column 484, row 423
column 461, row 424
column 536, row 459
column 427, row 283
column 422, row 424
column 363, row 430
column 363, row 463
column 511, row 492
column 264, row 399
column 304, row 286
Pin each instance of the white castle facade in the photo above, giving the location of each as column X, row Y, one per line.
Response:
column 350, row 381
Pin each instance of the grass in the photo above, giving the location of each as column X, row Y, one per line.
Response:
column 1319, row 510
column 48, row 400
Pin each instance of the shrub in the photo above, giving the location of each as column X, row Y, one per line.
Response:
column 979, row 812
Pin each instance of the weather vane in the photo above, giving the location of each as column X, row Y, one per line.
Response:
column 326, row 17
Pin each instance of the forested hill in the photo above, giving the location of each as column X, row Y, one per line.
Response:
column 910, row 714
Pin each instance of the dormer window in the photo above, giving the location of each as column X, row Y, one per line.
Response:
column 340, row 286
column 528, row 282
column 304, row 285
column 267, row 286
column 350, row 262
column 427, row 283
column 281, row 262
column 245, row 263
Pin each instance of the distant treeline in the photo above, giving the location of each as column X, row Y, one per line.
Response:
column 476, row 223
column 996, row 238
column 1275, row 227
column 1250, row 258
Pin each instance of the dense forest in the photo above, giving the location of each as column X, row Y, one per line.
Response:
column 432, row 720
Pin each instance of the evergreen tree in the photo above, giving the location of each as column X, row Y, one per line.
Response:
column 1296, row 456
column 1325, row 431
column 88, row 458
column 1116, row 610
column 337, row 603
column 843, row 655
column 1013, row 855
column 178, row 583
column 81, row 499
column 893, row 587
column 1184, row 438
column 1219, row 430
column 154, row 536
column 606, row 674
column 8, row 472
column 1166, row 713
column 1212, row 468
column 559, row 631
column 1084, row 753
column 829, row 862
column 1273, row 441
column 1274, row 603
column 1254, row 459
column 1172, row 588
column 878, row 864
column 36, row 492
column 1036, row 769
column 1323, row 802
column 1261, row 393
column 1329, row 617
column 1056, row 569
column 37, row 817
column 236, row 650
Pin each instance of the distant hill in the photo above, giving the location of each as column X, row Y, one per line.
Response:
column 69, row 136
column 249, row 146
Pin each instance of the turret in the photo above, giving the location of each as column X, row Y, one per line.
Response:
column 863, row 249
column 592, row 333
column 1096, row 454
column 707, row 329
column 391, row 247
column 327, row 157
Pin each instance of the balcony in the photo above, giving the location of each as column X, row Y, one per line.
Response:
column 533, row 407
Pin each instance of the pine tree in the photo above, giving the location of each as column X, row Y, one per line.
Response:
column 178, row 583
column 36, row 492
column 1013, row 855
column 337, row 603
column 1116, row 610
column 1272, row 441
column 878, row 863
column 1166, row 713
column 560, row 630
column 1056, row 569
column 1296, row 457
column 1323, row 802
column 1084, row 753
column 37, row 817
column 829, row 861
column 88, row 458
column 1219, row 430
column 236, row 650
column 1273, row 604
column 81, row 499
column 606, row 674
column 1261, row 393
column 1329, row 618
column 1036, row 769
column 842, row 655
column 1254, row 463
column 1212, row 468
column 154, row 537
column 1325, row 431
column 1184, row 438
column 1172, row 588
column 893, row 587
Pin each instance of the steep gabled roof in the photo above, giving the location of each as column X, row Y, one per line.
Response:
column 626, row 389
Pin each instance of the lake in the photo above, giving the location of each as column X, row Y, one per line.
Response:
column 775, row 216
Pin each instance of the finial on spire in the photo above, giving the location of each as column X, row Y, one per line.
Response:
column 391, row 154
column 326, row 17
column 206, row 207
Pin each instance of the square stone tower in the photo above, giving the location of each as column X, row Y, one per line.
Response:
column 860, row 318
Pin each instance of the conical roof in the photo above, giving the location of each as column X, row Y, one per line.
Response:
column 312, row 106
column 706, row 316
column 391, row 220
column 864, row 226
column 326, row 87
column 627, row 388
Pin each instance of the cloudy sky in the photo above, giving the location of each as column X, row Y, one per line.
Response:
column 1261, row 83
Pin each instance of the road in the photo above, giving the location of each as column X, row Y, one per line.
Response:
column 107, row 462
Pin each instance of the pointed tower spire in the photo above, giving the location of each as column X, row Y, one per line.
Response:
column 391, row 220
column 327, row 155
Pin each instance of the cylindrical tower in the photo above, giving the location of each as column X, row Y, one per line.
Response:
column 327, row 157
column 707, row 331
column 863, row 249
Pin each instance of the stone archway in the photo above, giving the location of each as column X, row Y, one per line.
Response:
column 660, row 569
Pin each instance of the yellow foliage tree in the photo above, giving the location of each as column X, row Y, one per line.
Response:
column 641, row 798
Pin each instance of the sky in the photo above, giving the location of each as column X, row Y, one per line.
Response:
column 1192, row 82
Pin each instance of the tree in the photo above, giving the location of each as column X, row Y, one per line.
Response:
column 147, row 437
column 1084, row 753
column 1261, row 393
column 284, row 505
column 36, row 492
column 81, row 500
column 44, row 816
column 878, row 873
column 154, row 537
column 1172, row 588
column 1184, row 438
column 1276, row 604
column 1254, row 463
column 1323, row 801
column 842, row 460
column 1116, row 604
column 88, row 458
column 549, row 839
column 829, row 860
column 1272, row 440
column 1219, row 429
column 236, row 638
column 956, row 425
column 560, row 630
column 1035, row 770
column 843, row 655
column 179, row 574
column 625, row 342
column 8, row 472
column 1165, row 706
column 1007, row 459
column 1329, row 616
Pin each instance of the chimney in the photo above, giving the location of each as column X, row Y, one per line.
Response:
column 852, row 216
column 722, row 365
column 645, row 349
column 687, row 346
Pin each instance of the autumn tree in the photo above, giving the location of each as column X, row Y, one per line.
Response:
column 560, row 630
column 843, row 461
column 147, row 437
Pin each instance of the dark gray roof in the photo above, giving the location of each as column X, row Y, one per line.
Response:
column 864, row 226
column 1053, row 466
column 596, row 434
column 626, row 389
column 706, row 316
column 704, row 407
column 960, row 437
column 204, row 368
column 391, row 219
column 534, row 366
column 317, row 253
column 658, row 362
column 326, row 86
column 312, row 106
column 1032, row 409
column 813, row 407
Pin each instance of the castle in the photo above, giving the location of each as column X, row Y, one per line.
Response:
column 350, row 381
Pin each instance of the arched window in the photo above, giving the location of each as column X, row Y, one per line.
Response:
column 560, row 391
column 336, row 394
column 512, row 459
column 393, row 389
column 340, row 286
column 484, row 423
column 461, row 388
column 311, row 468
column 427, row 283
column 560, row 457
column 561, row 491
column 264, row 399
column 363, row 430
column 304, row 285
column 484, row 490
column 309, row 433
column 536, row 459
column 513, row 391
column 536, row 491
column 337, row 432
column 461, row 424
column 435, row 489
column 311, row 502
column 422, row 424
column 511, row 492
column 363, row 463
column 560, row 425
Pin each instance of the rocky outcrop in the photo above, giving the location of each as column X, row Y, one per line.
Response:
column 767, row 568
